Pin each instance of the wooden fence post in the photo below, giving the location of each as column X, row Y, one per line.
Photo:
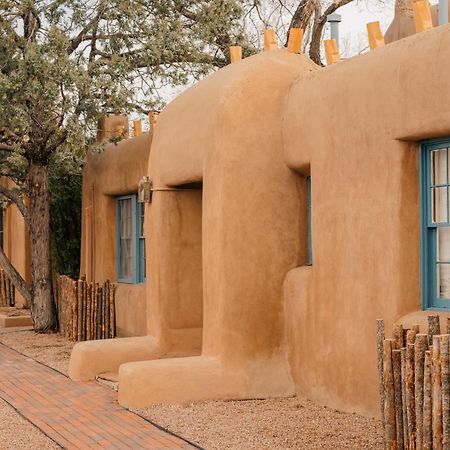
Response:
column 420, row 347
column 389, row 400
column 437, row 394
column 427, row 436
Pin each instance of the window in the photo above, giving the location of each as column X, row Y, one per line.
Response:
column 435, row 224
column 308, row 184
column 130, row 240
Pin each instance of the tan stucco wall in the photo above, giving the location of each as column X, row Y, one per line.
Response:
column 251, row 134
column 361, row 145
column 16, row 243
column 115, row 171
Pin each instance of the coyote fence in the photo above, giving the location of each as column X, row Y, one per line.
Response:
column 414, row 376
column 85, row 310
column 7, row 290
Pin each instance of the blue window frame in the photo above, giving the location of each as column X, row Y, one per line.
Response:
column 435, row 223
column 308, row 184
column 130, row 241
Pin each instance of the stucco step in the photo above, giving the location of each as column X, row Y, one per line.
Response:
column 109, row 379
column 13, row 317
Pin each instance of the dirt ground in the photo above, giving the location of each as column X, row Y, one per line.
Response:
column 281, row 424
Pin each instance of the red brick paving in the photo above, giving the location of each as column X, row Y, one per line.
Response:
column 75, row 415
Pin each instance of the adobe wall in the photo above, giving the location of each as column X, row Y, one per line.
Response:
column 16, row 244
column 115, row 171
column 360, row 146
column 225, row 133
column 403, row 24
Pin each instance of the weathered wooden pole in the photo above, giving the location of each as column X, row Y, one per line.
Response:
column 380, row 357
column 410, row 390
column 405, row 417
column 420, row 347
column 437, row 394
column 444, row 353
column 398, row 335
column 433, row 328
column 390, row 434
column 80, row 309
column 397, row 370
column 427, row 430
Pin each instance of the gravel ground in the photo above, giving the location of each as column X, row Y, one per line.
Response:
column 289, row 423
column 17, row 433
column 50, row 349
column 292, row 423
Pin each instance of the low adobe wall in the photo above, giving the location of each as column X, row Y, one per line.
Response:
column 115, row 171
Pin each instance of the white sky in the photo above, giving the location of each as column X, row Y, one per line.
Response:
column 356, row 15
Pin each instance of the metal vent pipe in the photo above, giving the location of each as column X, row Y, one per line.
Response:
column 443, row 12
column 334, row 20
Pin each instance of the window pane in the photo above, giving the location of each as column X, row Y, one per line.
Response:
column 439, row 166
column 141, row 221
column 443, row 244
column 125, row 258
column 439, row 204
column 443, row 280
column 125, row 218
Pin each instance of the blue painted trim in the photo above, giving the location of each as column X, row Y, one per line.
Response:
column 428, row 229
column 136, row 254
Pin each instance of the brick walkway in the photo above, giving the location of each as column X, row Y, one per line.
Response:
column 75, row 415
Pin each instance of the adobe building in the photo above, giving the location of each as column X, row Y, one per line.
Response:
column 110, row 186
column 15, row 242
column 292, row 206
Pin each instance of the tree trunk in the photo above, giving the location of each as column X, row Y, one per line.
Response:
column 42, row 305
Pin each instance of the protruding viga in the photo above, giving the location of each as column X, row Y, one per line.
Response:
column 295, row 40
column 270, row 40
column 331, row 51
column 235, row 53
column 376, row 38
column 422, row 15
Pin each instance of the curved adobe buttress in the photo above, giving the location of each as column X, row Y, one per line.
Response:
column 223, row 136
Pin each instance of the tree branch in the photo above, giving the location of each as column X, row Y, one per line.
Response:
column 80, row 37
column 314, row 50
column 15, row 277
column 6, row 148
column 15, row 198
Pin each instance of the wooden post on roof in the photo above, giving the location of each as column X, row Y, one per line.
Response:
column 295, row 40
column 153, row 118
column 235, row 53
column 422, row 15
column 137, row 127
column 331, row 51
column 376, row 38
column 270, row 40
